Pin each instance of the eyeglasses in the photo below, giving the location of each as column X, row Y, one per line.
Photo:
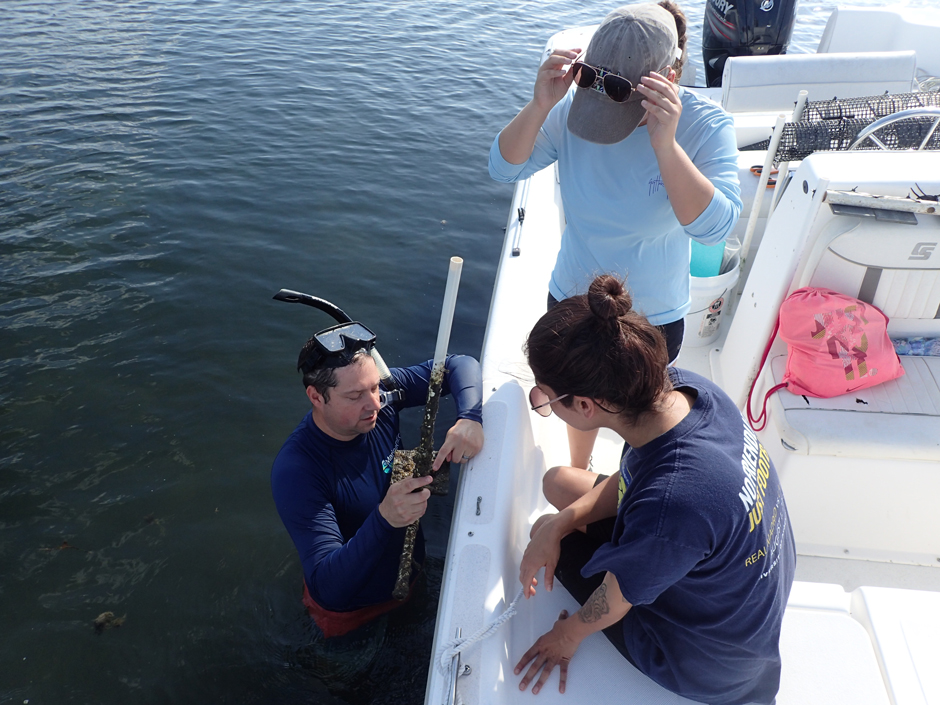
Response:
column 540, row 402
column 613, row 85
column 340, row 343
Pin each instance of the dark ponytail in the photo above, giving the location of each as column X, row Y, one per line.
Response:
column 595, row 345
column 682, row 25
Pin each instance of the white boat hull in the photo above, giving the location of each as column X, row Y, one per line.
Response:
column 867, row 495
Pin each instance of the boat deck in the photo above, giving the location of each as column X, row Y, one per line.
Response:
column 864, row 614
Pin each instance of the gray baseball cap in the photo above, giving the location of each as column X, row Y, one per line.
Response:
column 632, row 41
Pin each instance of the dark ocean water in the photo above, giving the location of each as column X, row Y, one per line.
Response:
column 165, row 168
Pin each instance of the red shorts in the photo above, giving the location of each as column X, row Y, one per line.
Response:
column 339, row 623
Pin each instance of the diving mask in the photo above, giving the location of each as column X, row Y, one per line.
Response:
column 336, row 346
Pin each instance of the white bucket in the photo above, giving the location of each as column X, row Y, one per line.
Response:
column 709, row 298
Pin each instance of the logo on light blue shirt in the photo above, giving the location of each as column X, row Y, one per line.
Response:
column 655, row 184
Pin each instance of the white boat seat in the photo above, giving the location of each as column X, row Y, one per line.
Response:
column 771, row 84
column 899, row 419
column 904, row 625
column 827, row 655
column 873, row 645
column 885, row 29
column 893, row 266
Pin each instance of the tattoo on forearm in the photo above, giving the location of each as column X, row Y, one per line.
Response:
column 596, row 606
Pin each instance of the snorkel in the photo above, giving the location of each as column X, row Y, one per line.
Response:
column 341, row 317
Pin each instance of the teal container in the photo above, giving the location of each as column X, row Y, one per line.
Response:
column 706, row 259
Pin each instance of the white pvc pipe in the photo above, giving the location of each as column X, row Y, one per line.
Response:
column 785, row 166
column 447, row 311
column 801, row 99
column 761, row 187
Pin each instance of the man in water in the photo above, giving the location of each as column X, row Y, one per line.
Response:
column 331, row 478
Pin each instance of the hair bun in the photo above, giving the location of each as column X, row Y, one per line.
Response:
column 608, row 298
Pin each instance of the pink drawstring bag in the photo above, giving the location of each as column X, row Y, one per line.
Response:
column 835, row 345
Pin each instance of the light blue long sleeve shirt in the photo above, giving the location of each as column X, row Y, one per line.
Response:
column 619, row 220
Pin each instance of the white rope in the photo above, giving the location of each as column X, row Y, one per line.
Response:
column 455, row 646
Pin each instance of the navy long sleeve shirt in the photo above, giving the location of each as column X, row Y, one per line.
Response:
column 328, row 491
column 703, row 549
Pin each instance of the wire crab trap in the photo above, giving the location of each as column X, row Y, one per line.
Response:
column 835, row 125
column 868, row 109
column 905, row 121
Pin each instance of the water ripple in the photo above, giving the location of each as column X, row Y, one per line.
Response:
column 165, row 167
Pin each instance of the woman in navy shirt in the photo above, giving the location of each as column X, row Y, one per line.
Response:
column 688, row 557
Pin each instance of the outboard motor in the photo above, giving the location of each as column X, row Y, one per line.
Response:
column 744, row 28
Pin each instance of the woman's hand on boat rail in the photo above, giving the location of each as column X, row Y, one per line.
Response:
column 554, row 648
column 544, row 547
column 544, row 550
column 606, row 606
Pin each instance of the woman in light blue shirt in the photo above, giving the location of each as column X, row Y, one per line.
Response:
column 632, row 197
